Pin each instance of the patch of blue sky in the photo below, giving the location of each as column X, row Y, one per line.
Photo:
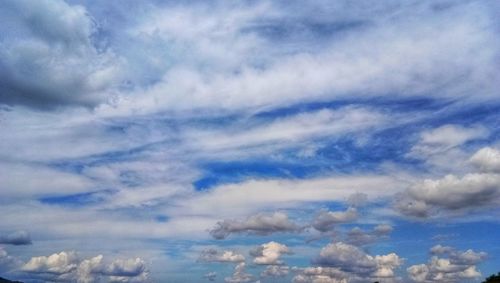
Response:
column 75, row 200
column 237, row 171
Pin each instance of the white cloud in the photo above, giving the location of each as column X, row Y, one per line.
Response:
column 441, row 147
column 68, row 267
column 239, row 275
column 457, row 266
column 354, row 261
column 212, row 255
column 383, row 59
column 28, row 181
column 269, row 253
column 59, row 263
column 257, row 195
column 487, row 159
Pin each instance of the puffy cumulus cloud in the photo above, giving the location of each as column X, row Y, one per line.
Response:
column 213, row 255
column 210, row 276
column 240, row 275
column 487, row 159
column 16, row 238
column 325, row 220
column 269, row 253
column 356, row 236
column 53, row 58
column 457, row 266
column 275, row 271
column 59, row 263
column 260, row 224
column 68, row 267
column 450, row 194
column 358, row 264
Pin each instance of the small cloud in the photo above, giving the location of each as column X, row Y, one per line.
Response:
column 325, row 220
column 269, row 253
column 260, row 224
column 213, row 255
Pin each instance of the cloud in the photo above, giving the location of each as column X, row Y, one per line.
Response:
column 8, row 262
column 459, row 265
column 487, row 159
column 275, row 271
column 67, row 267
column 358, row 237
column 239, row 275
column 16, row 238
column 27, row 181
column 325, row 220
column 354, row 261
column 60, row 263
column 256, row 195
column 269, row 253
column 260, row 224
column 320, row 275
column 54, row 60
column 212, row 255
column 358, row 65
column 450, row 194
column 441, row 147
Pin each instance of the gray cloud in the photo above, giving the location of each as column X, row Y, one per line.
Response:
column 357, row 263
column 16, row 238
column 325, row 220
column 53, row 60
column 358, row 237
column 213, row 255
column 320, row 275
column 450, row 194
column 456, row 266
column 260, row 224
column 275, row 271
column 239, row 275
column 8, row 262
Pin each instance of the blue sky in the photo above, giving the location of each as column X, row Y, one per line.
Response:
column 249, row 141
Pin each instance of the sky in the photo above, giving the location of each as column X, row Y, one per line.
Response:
column 249, row 141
